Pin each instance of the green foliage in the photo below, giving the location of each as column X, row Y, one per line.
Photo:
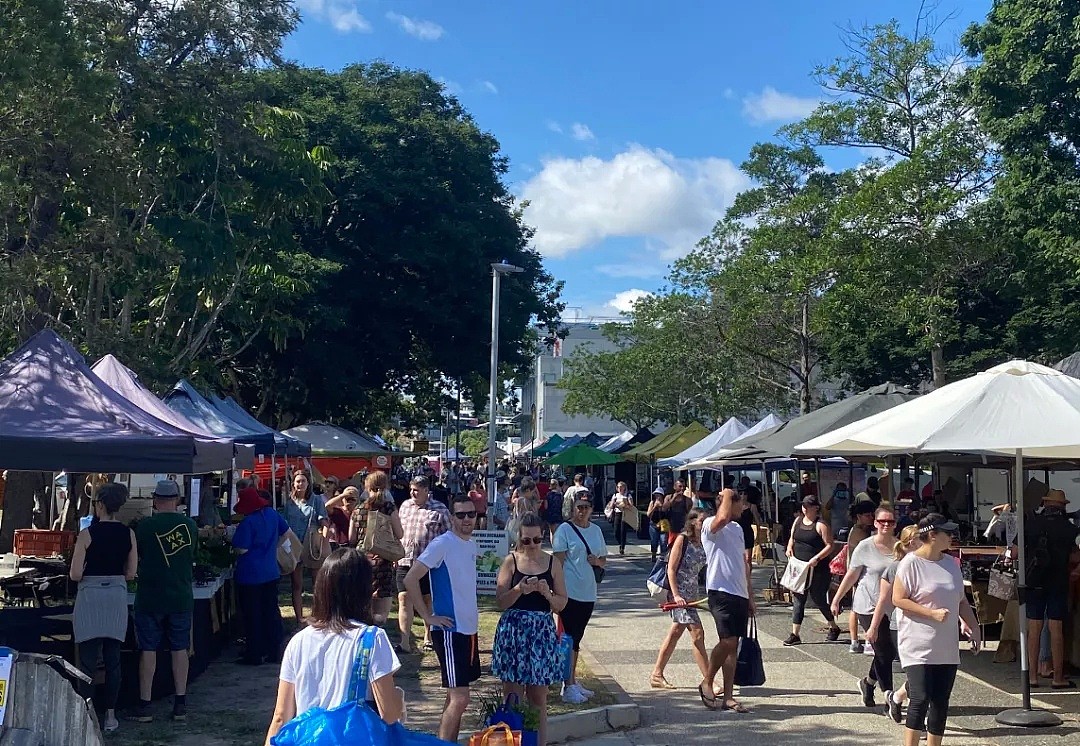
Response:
column 473, row 442
column 316, row 243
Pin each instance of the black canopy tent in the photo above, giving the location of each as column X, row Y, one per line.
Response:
column 57, row 415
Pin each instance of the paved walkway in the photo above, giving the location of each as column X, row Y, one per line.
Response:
column 810, row 697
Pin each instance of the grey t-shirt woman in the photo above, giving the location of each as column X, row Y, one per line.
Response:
column 873, row 563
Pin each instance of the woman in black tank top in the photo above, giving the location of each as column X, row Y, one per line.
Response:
column 105, row 558
column 530, row 586
column 811, row 541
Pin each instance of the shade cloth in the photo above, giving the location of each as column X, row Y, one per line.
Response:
column 232, row 409
column 185, row 399
column 57, row 415
column 331, row 440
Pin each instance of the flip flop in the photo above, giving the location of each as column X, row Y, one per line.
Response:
column 708, row 702
column 1066, row 685
column 738, row 707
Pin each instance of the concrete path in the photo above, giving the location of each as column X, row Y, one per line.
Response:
column 810, row 697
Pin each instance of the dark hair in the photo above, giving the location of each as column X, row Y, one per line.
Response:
column 690, row 516
column 305, row 475
column 113, row 496
column 531, row 520
column 243, row 484
column 342, row 592
column 460, row 498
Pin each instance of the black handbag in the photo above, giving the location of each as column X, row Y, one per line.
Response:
column 598, row 572
column 750, row 667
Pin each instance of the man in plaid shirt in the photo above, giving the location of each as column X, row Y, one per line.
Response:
column 422, row 519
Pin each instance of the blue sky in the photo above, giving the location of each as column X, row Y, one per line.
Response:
column 624, row 122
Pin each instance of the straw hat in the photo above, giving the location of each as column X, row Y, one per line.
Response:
column 1055, row 496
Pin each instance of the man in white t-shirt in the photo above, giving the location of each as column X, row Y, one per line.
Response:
column 571, row 495
column 454, row 618
column 731, row 598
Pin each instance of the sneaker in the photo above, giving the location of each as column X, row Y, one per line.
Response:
column 867, row 690
column 179, row 711
column 571, row 696
column 110, row 725
column 856, row 647
column 834, row 634
column 893, row 707
column 587, row 693
column 793, row 639
column 140, row 713
column 868, row 648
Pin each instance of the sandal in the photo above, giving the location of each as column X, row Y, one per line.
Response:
column 708, row 702
column 659, row 682
column 1066, row 685
column 738, row 707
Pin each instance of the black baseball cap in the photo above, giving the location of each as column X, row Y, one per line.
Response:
column 937, row 522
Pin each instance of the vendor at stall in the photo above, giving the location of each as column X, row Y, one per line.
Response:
column 1050, row 540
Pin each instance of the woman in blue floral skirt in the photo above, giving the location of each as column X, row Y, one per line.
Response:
column 530, row 587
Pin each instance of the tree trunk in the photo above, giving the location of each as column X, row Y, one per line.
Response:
column 24, row 489
column 805, row 391
column 937, row 364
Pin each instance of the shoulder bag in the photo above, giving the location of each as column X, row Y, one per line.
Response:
column 838, row 564
column 1002, row 583
column 657, row 583
column 379, row 537
column 354, row 721
column 316, row 546
column 289, row 552
column 598, row 572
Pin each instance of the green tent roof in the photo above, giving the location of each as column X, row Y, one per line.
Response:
column 583, row 455
column 548, row 445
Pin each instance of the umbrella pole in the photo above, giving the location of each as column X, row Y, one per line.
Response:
column 273, row 478
column 1024, row 717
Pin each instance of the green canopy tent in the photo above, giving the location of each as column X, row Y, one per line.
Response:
column 583, row 455
column 548, row 446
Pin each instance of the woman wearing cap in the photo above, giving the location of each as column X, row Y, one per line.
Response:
column 929, row 592
column 865, row 567
column 257, row 576
column 684, row 563
column 655, row 514
column 580, row 546
column 105, row 558
column 304, row 510
column 811, row 542
column 377, row 499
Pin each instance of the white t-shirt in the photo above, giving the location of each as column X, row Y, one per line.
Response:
column 452, row 562
column 873, row 563
column 577, row 572
column 319, row 664
column 935, row 585
column 725, row 558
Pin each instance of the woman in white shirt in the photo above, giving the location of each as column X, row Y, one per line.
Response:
column 318, row 661
column 929, row 592
column 620, row 501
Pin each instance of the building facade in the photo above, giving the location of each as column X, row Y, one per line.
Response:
column 542, row 400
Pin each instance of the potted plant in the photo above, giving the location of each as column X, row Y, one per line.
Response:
column 518, row 714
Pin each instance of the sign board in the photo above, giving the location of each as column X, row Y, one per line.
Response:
column 7, row 658
column 381, row 462
column 492, row 548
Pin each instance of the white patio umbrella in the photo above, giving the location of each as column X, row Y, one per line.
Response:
column 1016, row 409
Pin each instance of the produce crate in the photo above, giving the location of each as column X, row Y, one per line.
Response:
column 38, row 542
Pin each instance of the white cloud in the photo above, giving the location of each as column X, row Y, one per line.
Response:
column 729, row 93
column 772, row 106
column 669, row 201
column 452, row 87
column 624, row 302
column 421, row 29
column 554, row 126
column 581, row 132
column 343, row 15
column 488, row 86
column 611, row 308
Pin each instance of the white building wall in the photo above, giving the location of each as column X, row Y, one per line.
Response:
column 541, row 399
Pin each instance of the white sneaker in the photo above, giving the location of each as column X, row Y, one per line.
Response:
column 588, row 693
column 110, row 725
column 571, row 696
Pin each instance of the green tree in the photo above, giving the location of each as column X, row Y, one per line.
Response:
column 906, row 233
column 473, row 442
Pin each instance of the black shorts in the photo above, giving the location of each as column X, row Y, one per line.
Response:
column 1047, row 603
column 730, row 613
column 425, row 582
column 459, row 657
column 575, row 618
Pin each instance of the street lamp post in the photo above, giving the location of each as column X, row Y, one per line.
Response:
column 498, row 269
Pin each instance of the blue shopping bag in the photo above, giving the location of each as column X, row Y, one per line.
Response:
column 354, row 722
column 565, row 649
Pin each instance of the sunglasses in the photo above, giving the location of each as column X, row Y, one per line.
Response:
column 465, row 515
column 887, row 523
column 528, row 540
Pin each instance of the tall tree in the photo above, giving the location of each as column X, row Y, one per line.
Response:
column 765, row 266
column 906, row 232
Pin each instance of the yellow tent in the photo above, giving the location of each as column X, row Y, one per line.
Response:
column 672, row 441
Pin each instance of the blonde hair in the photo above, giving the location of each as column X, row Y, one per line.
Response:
column 907, row 535
column 377, row 485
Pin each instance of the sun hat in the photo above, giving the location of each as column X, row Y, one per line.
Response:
column 166, row 489
column 248, row 501
column 658, row 491
column 1055, row 496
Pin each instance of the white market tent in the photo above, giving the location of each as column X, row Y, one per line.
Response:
column 1016, row 410
column 729, row 432
column 615, row 442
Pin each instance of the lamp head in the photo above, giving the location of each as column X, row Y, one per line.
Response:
column 503, row 268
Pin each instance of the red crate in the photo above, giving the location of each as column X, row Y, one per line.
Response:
column 39, row 542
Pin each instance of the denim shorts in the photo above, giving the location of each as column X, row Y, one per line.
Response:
column 150, row 628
